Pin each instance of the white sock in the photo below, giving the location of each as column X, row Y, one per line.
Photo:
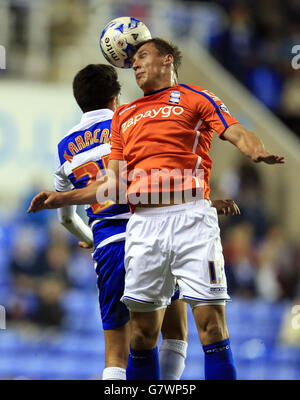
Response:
column 114, row 374
column 172, row 355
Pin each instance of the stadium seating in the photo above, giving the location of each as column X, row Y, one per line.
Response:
column 77, row 352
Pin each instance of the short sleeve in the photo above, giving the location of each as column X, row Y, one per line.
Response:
column 61, row 182
column 116, row 141
column 211, row 109
column 215, row 113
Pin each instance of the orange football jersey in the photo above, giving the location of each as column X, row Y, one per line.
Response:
column 168, row 130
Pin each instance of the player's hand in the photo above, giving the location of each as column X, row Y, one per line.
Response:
column 85, row 245
column 226, row 207
column 45, row 200
column 268, row 158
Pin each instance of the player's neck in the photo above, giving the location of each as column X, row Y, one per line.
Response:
column 158, row 86
column 164, row 80
column 113, row 104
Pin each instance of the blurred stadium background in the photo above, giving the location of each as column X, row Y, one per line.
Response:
column 242, row 50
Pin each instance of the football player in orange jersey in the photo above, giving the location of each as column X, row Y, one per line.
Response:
column 95, row 122
column 170, row 128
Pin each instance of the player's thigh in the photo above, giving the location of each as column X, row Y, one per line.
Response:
column 117, row 346
column 175, row 321
column 211, row 324
column 199, row 264
column 111, row 277
column 148, row 281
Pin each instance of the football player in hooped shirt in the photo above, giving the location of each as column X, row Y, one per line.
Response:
column 81, row 155
column 170, row 128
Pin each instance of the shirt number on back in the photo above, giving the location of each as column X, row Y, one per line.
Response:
column 91, row 169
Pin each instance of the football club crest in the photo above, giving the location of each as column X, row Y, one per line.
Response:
column 175, row 97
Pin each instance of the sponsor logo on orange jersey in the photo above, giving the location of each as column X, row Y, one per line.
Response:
column 164, row 112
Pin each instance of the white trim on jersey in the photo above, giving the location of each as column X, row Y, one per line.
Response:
column 119, row 216
column 194, row 151
column 93, row 154
column 197, row 135
column 61, row 181
column 112, row 239
column 197, row 166
column 90, row 118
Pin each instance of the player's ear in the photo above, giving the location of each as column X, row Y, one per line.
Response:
column 169, row 59
column 114, row 103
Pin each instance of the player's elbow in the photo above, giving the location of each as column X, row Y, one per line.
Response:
column 234, row 134
column 64, row 220
column 65, row 216
column 247, row 142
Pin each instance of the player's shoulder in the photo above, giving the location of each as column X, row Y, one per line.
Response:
column 188, row 86
column 88, row 121
column 125, row 107
column 68, row 136
column 200, row 94
column 84, row 134
column 191, row 88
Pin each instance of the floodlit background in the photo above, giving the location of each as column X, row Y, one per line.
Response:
column 245, row 52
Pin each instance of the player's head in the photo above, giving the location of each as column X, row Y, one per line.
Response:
column 96, row 86
column 155, row 61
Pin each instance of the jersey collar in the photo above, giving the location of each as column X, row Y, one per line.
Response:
column 103, row 114
column 156, row 91
column 92, row 117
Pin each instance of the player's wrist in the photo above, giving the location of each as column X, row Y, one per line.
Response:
column 79, row 196
column 66, row 198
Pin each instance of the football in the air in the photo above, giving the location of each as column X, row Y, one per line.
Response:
column 119, row 37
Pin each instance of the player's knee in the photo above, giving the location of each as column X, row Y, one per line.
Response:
column 143, row 338
column 213, row 333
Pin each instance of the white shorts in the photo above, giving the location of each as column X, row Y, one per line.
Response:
column 165, row 245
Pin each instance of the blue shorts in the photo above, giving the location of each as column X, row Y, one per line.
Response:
column 111, row 277
column 176, row 293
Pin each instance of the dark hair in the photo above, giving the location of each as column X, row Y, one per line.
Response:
column 164, row 47
column 95, row 86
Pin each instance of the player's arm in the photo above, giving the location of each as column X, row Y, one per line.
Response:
column 93, row 193
column 250, row 145
column 214, row 112
column 69, row 218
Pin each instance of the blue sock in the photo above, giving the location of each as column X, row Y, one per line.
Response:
column 143, row 365
column 219, row 364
